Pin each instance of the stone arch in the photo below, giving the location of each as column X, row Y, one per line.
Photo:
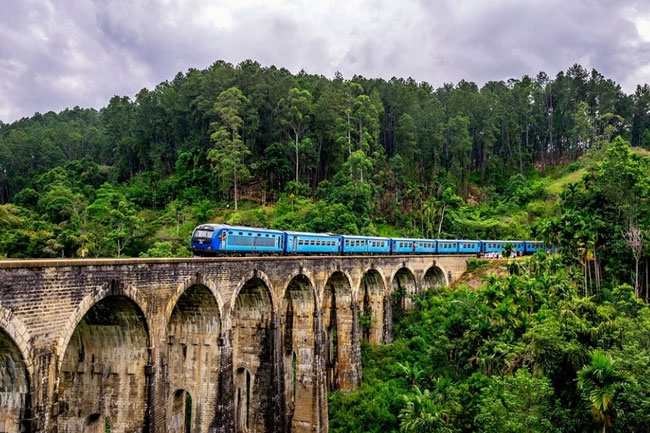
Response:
column 111, row 288
column 403, row 286
column 404, row 270
column 298, row 316
column 181, row 412
column 95, row 423
column 18, row 333
column 105, row 367
column 340, row 323
column 243, row 383
column 15, row 402
column 251, row 276
column 434, row 278
column 197, row 279
column 194, row 357
column 253, row 334
column 372, row 289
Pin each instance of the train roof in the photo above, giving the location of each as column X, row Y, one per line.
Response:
column 367, row 237
column 413, row 239
column 310, row 233
column 226, row 226
column 502, row 241
column 458, row 240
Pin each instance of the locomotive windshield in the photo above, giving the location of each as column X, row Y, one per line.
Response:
column 203, row 233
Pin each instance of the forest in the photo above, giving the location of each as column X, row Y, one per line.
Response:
column 258, row 145
column 552, row 343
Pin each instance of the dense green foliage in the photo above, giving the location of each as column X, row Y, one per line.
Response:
column 525, row 353
column 595, row 217
column 356, row 156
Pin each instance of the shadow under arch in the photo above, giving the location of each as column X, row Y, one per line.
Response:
column 435, row 277
column 372, row 289
column 194, row 357
column 254, row 275
column 14, row 386
column 403, row 285
column 299, row 327
column 253, row 350
column 182, row 411
column 341, row 326
column 101, row 292
column 198, row 279
column 108, row 350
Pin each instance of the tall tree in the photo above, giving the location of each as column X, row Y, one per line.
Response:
column 229, row 153
column 296, row 113
column 600, row 381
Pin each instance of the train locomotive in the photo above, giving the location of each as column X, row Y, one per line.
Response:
column 222, row 239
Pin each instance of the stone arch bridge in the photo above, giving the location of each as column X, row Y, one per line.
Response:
column 248, row 344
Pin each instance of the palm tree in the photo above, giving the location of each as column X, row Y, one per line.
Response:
column 599, row 381
column 424, row 413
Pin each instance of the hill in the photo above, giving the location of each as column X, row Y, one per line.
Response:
column 258, row 145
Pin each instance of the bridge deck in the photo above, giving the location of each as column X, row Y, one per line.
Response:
column 40, row 263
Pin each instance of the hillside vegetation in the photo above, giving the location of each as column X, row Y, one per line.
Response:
column 526, row 352
column 258, row 145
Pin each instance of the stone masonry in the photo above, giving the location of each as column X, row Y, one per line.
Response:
column 228, row 345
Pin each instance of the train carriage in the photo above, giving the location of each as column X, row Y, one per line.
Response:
column 413, row 246
column 532, row 247
column 365, row 244
column 498, row 246
column 469, row 247
column 447, row 246
column 312, row 243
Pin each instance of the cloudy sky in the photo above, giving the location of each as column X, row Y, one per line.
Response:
column 61, row 53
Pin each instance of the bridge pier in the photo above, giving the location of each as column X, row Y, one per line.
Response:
column 201, row 345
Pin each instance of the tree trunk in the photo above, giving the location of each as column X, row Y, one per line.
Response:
column 297, row 164
column 235, row 182
column 637, row 290
column 646, row 280
column 442, row 217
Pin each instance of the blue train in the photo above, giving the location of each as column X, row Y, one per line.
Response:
column 216, row 239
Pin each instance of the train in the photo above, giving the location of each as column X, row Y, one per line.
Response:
column 222, row 239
